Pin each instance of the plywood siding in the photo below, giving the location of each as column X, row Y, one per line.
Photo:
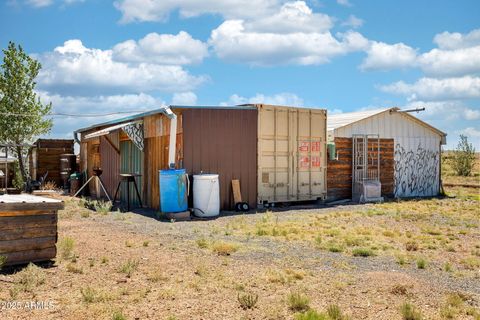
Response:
column 224, row 142
column 339, row 172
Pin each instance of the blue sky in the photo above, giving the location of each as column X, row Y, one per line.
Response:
column 102, row 56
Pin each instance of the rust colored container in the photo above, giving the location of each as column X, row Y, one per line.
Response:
column 223, row 141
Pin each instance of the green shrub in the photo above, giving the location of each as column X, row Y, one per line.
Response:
column 66, row 246
column 298, row 301
column 463, row 159
column 202, row 243
column 311, row 315
column 334, row 312
column 129, row 267
column 409, row 312
column 118, row 315
column 421, row 263
column 247, row 300
column 103, row 207
column 362, row 252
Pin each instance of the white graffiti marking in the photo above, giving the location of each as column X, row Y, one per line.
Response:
column 416, row 172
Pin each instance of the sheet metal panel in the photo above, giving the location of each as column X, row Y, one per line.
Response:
column 131, row 161
column 110, row 162
column 291, row 154
column 223, row 141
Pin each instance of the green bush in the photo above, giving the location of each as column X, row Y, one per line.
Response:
column 409, row 312
column 463, row 158
column 247, row 300
column 298, row 301
column 311, row 315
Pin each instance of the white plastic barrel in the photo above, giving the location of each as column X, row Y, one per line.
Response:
column 206, row 195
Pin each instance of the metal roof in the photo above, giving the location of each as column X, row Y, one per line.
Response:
column 161, row 110
column 340, row 120
column 335, row 121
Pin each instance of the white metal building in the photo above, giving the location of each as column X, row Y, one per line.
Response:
column 417, row 146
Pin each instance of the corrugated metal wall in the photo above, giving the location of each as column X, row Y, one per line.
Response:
column 417, row 151
column 224, row 142
column 110, row 161
column 131, row 161
column 339, row 172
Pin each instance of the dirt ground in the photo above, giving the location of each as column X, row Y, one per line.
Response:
column 368, row 260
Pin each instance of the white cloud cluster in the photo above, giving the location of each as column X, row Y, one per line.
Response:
column 177, row 49
column 466, row 87
column 285, row 99
column 382, row 56
column 353, row 22
column 184, row 99
column 452, row 41
column 159, row 10
column 76, row 67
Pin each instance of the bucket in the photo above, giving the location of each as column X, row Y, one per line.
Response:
column 206, row 195
column 173, row 190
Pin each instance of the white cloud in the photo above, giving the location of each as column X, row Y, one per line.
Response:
column 345, row 3
column 76, row 67
column 232, row 41
column 451, row 62
column 40, row 3
column 159, row 10
column 184, row 99
column 452, row 41
column 292, row 17
column 450, row 110
column 163, row 49
column 382, row 56
column 466, row 87
column 64, row 126
column 353, row 22
column 285, row 99
column 471, row 132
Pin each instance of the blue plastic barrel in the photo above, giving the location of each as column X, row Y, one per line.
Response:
column 173, row 190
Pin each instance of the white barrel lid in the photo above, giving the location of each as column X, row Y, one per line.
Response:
column 206, row 176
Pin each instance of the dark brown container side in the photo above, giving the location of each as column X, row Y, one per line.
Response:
column 224, row 142
column 110, row 161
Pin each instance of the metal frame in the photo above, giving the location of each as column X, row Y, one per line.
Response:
column 365, row 163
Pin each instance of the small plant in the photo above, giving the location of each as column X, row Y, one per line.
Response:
column 362, row 252
column 335, row 248
column 84, row 213
column 30, row 278
column 224, row 248
column 202, row 243
column 401, row 259
column 409, row 312
column 448, row 267
column 311, row 315
column 71, row 267
column 88, row 294
column 247, row 300
column 49, row 185
column 463, row 159
column 66, row 246
column 334, row 312
column 129, row 267
column 145, row 243
column 118, row 315
column 103, row 207
column 128, row 244
column 104, row 260
column 3, row 261
column 298, row 301
column 421, row 263
column 399, row 289
column 411, row 246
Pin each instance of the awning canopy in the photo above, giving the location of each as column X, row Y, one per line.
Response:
column 134, row 130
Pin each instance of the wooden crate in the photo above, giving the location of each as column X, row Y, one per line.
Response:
column 28, row 228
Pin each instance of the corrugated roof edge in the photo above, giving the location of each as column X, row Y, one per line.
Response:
column 160, row 110
column 393, row 109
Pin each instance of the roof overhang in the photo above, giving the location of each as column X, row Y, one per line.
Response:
column 106, row 131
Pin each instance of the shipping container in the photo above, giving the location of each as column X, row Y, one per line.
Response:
column 291, row 154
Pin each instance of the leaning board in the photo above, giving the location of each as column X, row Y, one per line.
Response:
column 28, row 228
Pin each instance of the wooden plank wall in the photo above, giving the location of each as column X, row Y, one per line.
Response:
column 48, row 158
column 339, row 172
column 157, row 138
column 28, row 236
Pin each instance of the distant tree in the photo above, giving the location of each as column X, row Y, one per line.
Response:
column 463, row 157
column 22, row 114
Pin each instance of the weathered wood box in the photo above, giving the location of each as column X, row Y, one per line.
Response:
column 28, row 228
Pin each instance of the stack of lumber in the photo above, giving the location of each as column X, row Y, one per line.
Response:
column 28, row 228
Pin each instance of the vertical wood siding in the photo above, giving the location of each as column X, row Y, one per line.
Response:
column 223, row 142
column 339, row 172
column 110, row 162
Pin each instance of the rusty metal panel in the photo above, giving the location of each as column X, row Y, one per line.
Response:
column 110, row 161
column 291, row 154
column 223, row 141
